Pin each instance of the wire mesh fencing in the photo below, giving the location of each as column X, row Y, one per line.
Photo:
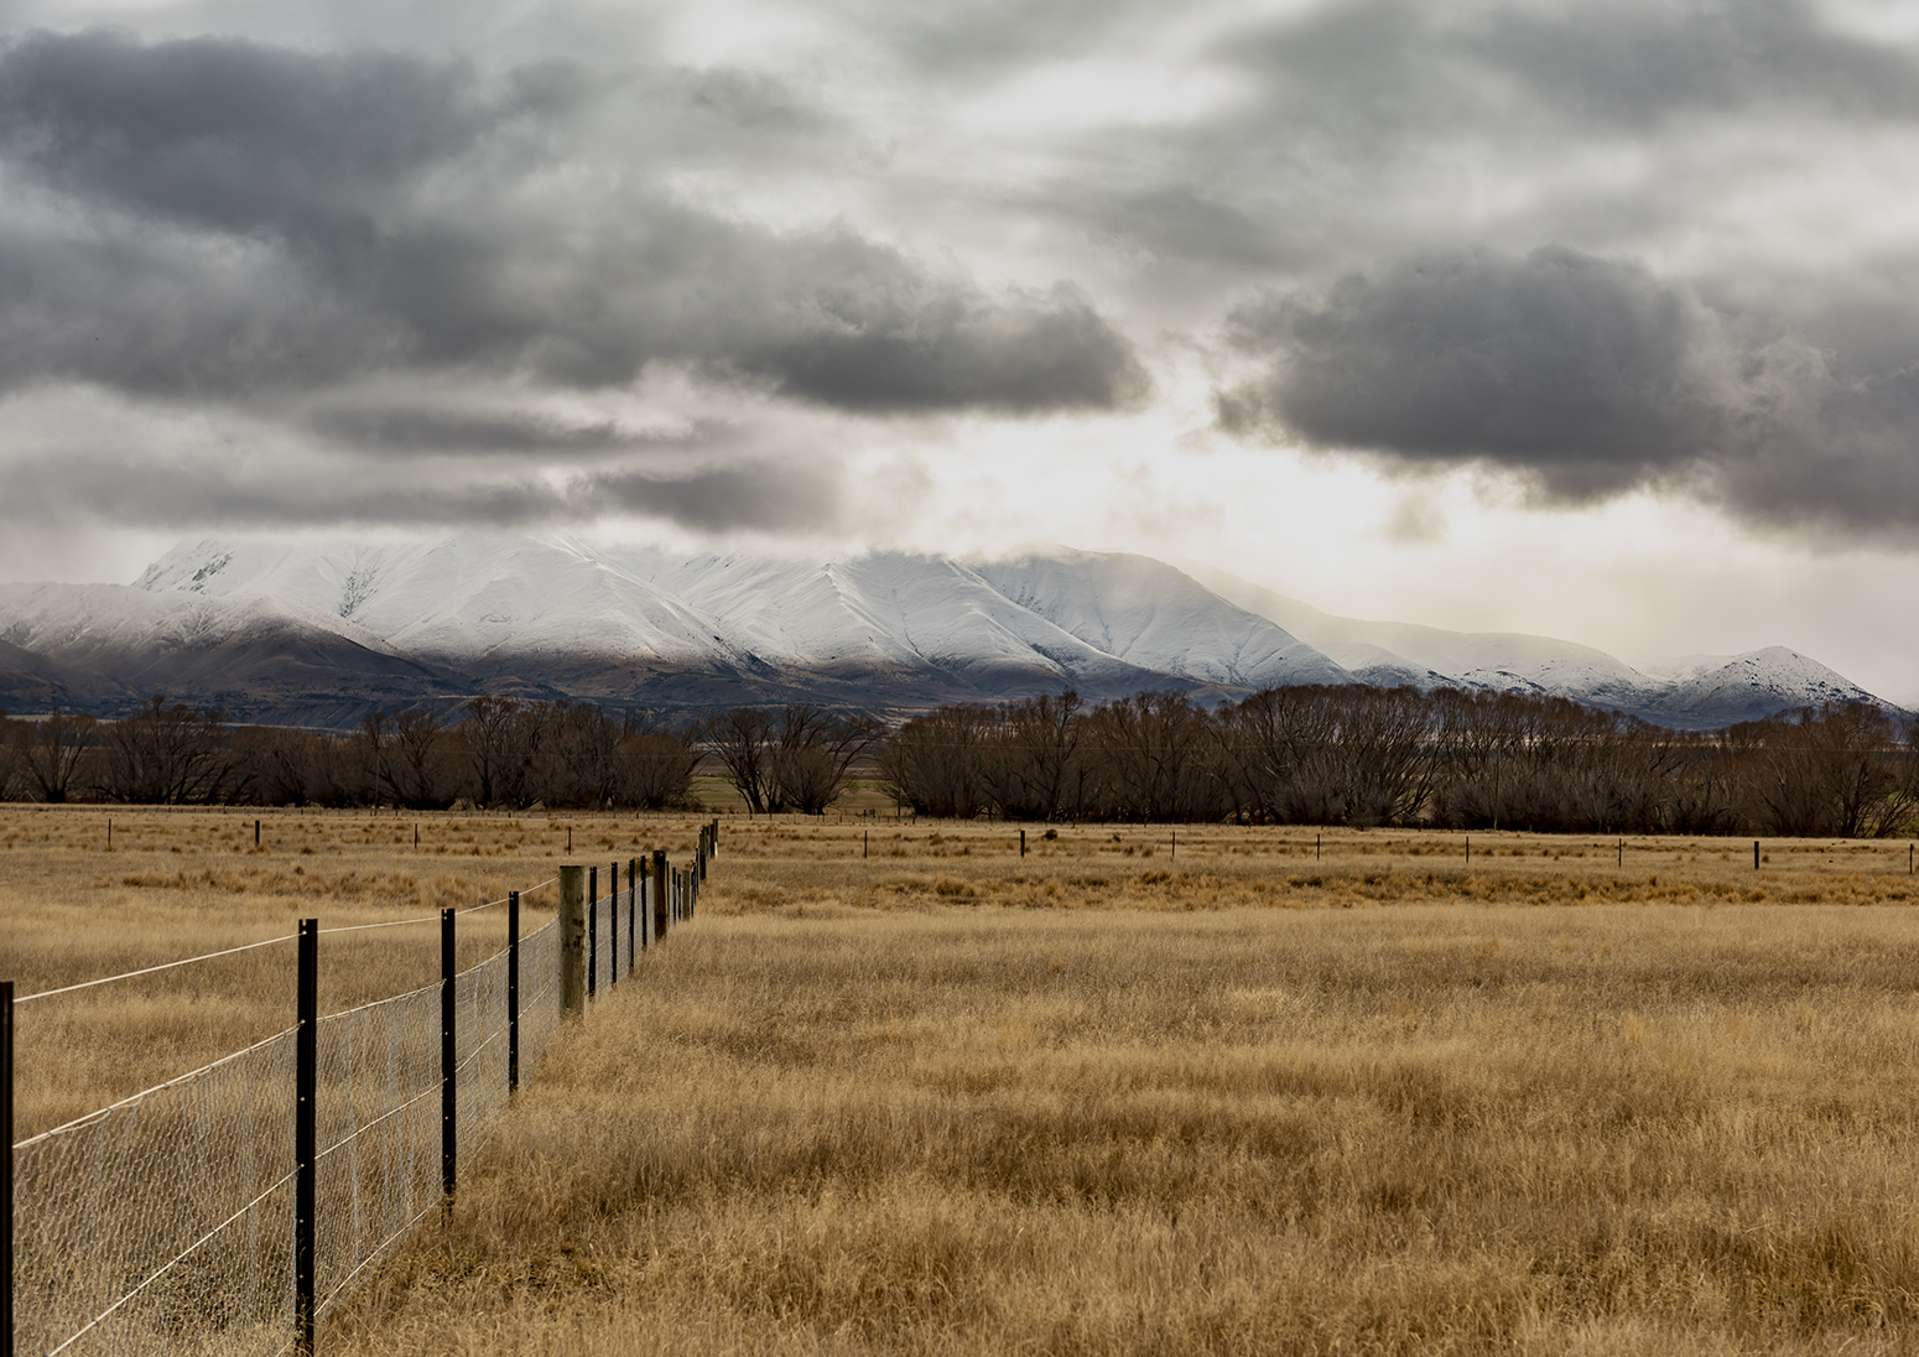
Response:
column 229, row 1209
column 162, row 1223
column 377, row 1105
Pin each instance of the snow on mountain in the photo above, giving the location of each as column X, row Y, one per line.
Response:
column 1499, row 661
column 324, row 631
column 890, row 612
column 1159, row 618
column 463, row 596
column 1699, row 692
column 107, row 645
column 1749, row 687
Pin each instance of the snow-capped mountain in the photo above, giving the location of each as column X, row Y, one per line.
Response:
column 322, row 632
column 1698, row 693
column 1747, row 687
column 1152, row 615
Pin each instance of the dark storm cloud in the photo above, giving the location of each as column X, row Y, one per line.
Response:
column 1586, row 374
column 195, row 492
column 1586, row 378
column 1376, row 127
column 232, row 135
column 767, row 496
column 287, row 219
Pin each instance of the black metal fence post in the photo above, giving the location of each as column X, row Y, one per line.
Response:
column 659, row 895
column 512, row 992
column 592, row 929
column 306, row 1068
column 6, row 1168
column 613, row 923
column 449, row 1061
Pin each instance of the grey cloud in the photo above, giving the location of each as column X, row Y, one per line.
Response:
column 1589, row 375
column 1384, row 126
column 233, row 135
column 190, row 493
column 989, row 40
column 1362, row 69
column 1634, row 64
column 414, row 211
column 766, row 496
column 1585, row 378
column 433, row 430
column 1173, row 221
column 159, row 313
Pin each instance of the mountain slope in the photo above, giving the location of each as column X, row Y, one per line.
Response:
column 254, row 657
column 1503, row 661
column 1156, row 617
column 326, row 631
column 1749, row 687
column 890, row 613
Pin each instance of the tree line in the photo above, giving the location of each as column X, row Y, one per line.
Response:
column 490, row 751
column 1395, row 757
column 1309, row 755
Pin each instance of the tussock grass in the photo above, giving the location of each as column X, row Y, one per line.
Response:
column 1233, row 1099
column 1419, row 1130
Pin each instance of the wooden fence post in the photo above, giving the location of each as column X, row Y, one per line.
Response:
column 613, row 923
column 642, row 920
column 1022, row 843
column 659, row 895
column 1755, row 855
column 572, row 941
column 592, row 930
column 306, row 1068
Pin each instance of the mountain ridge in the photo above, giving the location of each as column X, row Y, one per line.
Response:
column 320, row 632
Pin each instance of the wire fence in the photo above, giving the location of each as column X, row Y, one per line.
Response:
column 230, row 1209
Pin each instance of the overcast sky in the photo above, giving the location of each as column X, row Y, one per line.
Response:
column 1591, row 320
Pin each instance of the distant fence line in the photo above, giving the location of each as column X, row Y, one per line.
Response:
column 230, row 1208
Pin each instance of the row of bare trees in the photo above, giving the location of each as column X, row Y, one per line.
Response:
column 490, row 752
column 1366, row 756
column 1311, row 755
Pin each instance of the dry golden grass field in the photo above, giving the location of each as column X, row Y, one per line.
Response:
column 1107, row 1098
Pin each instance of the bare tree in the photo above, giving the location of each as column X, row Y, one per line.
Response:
column 405, row 757
column 12, row 736
column 1159, row 758
column 498, row 737
column 54, row 753
column 1036, row 763
column 813, row 756
column 938, row 763
column 741, row 740
column 656, row 763
column 579, row 756
column 167, row 755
